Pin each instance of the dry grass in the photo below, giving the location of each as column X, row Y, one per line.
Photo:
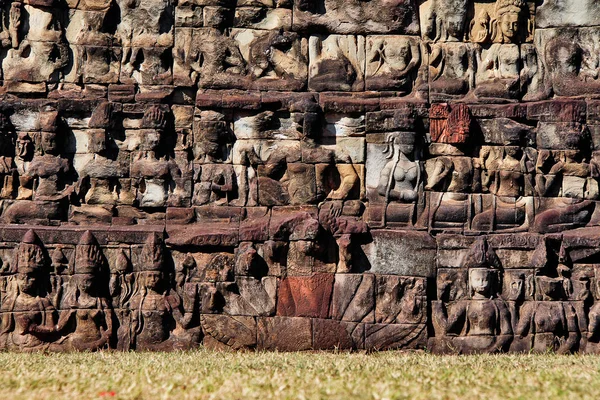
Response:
column 204, row 374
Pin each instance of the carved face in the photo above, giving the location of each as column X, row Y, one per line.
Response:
column 86, row 283
column 406, row 149
column 152, row 140
column 455, row 23
column 550, row 288
column 481, row 281
column 49, row 143
column 514, row 152
column 509, row 25
column 26, row 283
column 515, row 286
column 152, row 279
column 24, row 147
column 398, row 56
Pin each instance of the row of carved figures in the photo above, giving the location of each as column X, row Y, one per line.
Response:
column 157, row 317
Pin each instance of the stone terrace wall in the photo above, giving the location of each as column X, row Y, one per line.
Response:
column 294, row 175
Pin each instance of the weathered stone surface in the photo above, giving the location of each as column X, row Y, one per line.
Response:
column 285, row 334
column 307, row 296
column 296, row 175
column 405, row 253
column 353, row 298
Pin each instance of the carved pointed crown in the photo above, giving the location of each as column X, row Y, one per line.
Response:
column 30, row 254
column 152, row 257
column 88, row 255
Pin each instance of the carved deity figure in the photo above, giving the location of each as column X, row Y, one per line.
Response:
column 335, row 63
column 28, row 317
column 481, row 323
column 400, row 178
column 45, row 177
column 101, row 179
column 550, row 321
column 43, row 52
column 567, row 72
column 155, row 175
column 451, row 70
column 561, row 183
column 392, row 64
column 445, row 20
column 159, row 316
column 499, row 65
column 86, row 323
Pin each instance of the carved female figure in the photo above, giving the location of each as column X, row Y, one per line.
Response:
column 48, row 170
column 155, row 174
column 393, row 64
column 27, row 315
column 481, row 323
column 159, row 317
column 400, row 178
column 500, row 65
column 551, row 322
column 87, row 317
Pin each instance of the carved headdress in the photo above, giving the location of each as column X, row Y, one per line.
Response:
column 30, row 254
column 505, row 6
column 152, row 258
column 88, row 255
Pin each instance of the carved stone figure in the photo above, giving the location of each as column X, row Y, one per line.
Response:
column 86, row 323
column 481, row 323
column 159, row 317
column 400, row 179
column 28, row 317
column 155, row 173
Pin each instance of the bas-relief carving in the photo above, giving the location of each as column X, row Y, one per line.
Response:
column 326, row 172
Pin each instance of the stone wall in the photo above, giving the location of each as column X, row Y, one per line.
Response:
column 300, row 174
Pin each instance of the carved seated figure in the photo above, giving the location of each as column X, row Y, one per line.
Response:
column 46, row 178
column 215, row 185
column 567, row 74
column 481, row 324
column 393, row 64
column 48, row 169
column 159, row 318
column 155, row 175
column 27, row 315
column 451, row 70
column 43, row 52
column 451, row 177
column 101, row 178
column 400, row 178
column 503, row 176
column 551, row 323
column 86, row 323
column 499, row 65
column 562, row 174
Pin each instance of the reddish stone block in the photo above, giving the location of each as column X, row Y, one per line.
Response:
column 305, row 296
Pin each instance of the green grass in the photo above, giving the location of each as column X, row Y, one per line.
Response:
column 205, row 374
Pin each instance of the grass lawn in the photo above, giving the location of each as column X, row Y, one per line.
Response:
column 204, row 374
